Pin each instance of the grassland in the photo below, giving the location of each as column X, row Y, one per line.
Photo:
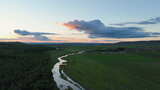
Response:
column 100, row 67
column 116, row 67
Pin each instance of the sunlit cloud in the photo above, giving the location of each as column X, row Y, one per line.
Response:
column 71, row 26
column 97, row 29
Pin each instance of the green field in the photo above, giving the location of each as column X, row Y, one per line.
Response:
column 100, row 67
column 107, row 68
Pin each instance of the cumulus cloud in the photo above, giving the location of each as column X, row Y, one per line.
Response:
column 145, row 22
column 96, row 29
column 37, row 35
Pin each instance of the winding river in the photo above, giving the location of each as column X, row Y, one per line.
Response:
column 63, row 81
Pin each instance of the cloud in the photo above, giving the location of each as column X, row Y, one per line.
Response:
column 36, row 35
column 96, row 29
column 146, row 22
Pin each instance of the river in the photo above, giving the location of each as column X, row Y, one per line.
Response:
column 63, row 81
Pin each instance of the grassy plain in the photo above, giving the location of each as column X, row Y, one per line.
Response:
column 100, row 67
column 116, row 67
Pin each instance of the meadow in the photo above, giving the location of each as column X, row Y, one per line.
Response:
column 123, row 66
column 116, row 67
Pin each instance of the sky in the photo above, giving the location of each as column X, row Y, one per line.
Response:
column 96, row 21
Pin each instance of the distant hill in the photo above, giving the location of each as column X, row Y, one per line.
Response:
column 74, row 44
column 139, row 43
column 84, row 44
column 88, row 44
column 11, row 43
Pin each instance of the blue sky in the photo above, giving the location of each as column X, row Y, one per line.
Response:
column 42, row 15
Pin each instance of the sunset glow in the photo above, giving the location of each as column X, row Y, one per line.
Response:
column 37, row 21
column 70, row 26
